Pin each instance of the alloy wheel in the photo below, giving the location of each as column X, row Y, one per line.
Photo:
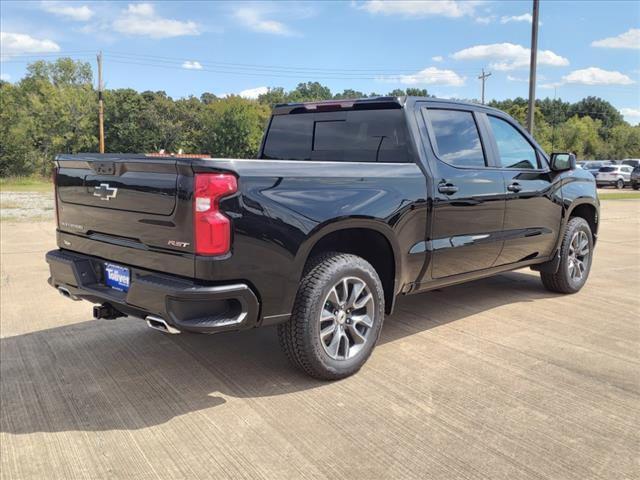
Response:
column 578, row 255
column 346, row 318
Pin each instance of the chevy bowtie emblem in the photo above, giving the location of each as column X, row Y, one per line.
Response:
column 105, row 192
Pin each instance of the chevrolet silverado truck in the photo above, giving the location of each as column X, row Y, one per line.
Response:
column 349, row 204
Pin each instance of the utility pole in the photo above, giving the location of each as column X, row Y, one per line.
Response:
column 100, row 104
column 532, row 67
column 483, row 77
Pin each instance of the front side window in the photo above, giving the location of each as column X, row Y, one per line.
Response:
column 457, row 138
column 514, row 150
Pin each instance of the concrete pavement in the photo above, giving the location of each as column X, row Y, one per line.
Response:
column 493, row 379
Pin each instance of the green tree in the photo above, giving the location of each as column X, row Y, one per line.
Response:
column 597, row 108
column 233, row 128
column 274, row 96
column 580, row 135
column 310, row 92
column 349, row 93
column 123, row 115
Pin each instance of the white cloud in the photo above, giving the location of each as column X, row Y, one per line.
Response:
column 421, row 8
column 631, row 115
column 485, row 20
column 80, row 13
column 628, row 39
column 437, row 58
column 253, row 93
column 142, row 19
column 597, row 76
column 525, row 17
column 189, row 65
column 21, row 43
column 509, row 56
column 253, row 19
column 428, row 76
column 5, row 76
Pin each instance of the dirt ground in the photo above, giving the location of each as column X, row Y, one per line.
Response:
column 492, row 379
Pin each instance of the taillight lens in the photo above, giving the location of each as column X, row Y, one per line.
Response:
column 211, row 228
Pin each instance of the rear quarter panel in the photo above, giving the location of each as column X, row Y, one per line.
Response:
column 284, row 207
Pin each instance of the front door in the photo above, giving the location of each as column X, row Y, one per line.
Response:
column 533, row 210
column 468, row 201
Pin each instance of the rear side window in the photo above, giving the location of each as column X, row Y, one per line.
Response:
column 608, row 169
column 351, row 136
column 515, row 151
column 457, row 138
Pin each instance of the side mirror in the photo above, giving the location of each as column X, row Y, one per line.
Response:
column 561, row 162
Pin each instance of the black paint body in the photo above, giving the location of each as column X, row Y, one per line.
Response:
column 284, row 208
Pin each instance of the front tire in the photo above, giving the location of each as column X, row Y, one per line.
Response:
column 576, row 254
column 336, row 319
column 635, row 186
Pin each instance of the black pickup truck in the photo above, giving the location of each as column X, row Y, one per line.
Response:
column 350, row 204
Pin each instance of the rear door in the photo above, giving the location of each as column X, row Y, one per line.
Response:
column 533, row 209
column 468, row 205
column 132, row 200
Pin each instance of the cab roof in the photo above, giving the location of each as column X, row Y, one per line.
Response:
column 372, row 103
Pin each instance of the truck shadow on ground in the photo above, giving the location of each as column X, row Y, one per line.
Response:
column 119, row 375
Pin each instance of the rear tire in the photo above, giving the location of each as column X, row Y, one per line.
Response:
column 635, row 186
column 620, row 184
column 576, row 254
column 337, row 317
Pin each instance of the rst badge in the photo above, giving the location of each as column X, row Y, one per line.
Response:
column 105, row 192
column 175, row 243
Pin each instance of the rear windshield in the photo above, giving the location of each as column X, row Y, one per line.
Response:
column 351, row 136
column 608, row 169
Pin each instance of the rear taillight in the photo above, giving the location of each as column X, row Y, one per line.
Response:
column 211, row 228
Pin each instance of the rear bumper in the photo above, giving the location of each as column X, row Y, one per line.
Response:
column 187, row 305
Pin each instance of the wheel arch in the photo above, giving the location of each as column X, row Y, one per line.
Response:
column 372, row 240
column 589, row 211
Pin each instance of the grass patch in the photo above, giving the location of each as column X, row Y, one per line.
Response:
column 619, row 195
column 25, row 184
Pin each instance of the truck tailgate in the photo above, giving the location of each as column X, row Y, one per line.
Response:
column 131, row 201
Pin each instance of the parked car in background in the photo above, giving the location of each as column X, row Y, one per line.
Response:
column 635, row 178
column 617, row 175
column 632, row 162
column 594, row 166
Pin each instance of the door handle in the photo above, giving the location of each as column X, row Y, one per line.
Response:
column 447, row 188
column 514, row 187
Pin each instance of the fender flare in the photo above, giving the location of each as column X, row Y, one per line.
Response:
column 324, row 229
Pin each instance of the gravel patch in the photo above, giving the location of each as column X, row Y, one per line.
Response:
column 21, row 206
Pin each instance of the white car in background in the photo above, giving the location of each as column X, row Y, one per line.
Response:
column 617, row 175
column 595, row 165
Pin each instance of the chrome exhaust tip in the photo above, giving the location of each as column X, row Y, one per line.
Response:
column 66, row 293
column 158, row 323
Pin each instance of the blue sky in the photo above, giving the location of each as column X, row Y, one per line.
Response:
column 187, row 48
